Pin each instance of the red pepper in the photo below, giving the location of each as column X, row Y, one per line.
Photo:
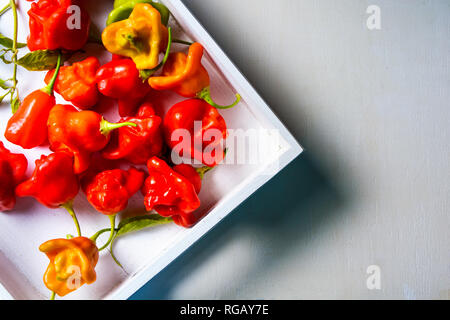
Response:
column 79, row 132
column 7, row 195
column 58, row 24
column 170, row 193
column 28, row 126
column 200, row 120
column 109, row 191
column 119, row 79
column 12, row 171
column 139, row 144
column 190, row 173
column 53, row 183
column 77, row 83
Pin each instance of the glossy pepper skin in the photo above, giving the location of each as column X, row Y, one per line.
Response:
column 12, row 171
column 191, row 174
column 28, row 125
column 200, row 120
column 119, row 79
column 53, row 183
column 54, row 25
column 80, row 133
column 123, row 9
column 141, row 37
column 72, row 264
column 185, row 75
column 109, row 191
column 170, row 194
column 137, row 145
column 77, row 83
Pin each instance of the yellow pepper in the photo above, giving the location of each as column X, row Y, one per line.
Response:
column 72, row 264
column 141, row 37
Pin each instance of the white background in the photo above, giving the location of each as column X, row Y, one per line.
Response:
column 372, row 109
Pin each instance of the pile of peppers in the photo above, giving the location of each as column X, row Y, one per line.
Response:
column 111, row 162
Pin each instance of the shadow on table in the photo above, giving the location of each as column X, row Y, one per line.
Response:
column 292, row 206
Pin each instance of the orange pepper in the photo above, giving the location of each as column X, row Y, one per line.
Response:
column 185, row 75
column 72, row 264
column 77, row 83
column 141, row 37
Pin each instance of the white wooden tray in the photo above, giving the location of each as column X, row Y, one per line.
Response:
column 146, row 253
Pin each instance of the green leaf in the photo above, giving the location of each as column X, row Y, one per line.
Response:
column 40, row 60
column 139, row 223
column 8, row 43
column 3, row 96
column 136, row 224
column 3, row 85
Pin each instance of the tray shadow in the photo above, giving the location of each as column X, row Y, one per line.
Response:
column 283, row 214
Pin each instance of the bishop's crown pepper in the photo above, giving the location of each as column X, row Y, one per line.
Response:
column 141, row 37
column 138, row 144
column 28, row 126
column 69, row 258
column 119, row 79
column 109, row 191
column 58, row 24
column 53, row 183
column 77, row 83
column 80, row 133
column 12, row 172
column 206, row 130
column 185, row 75
column 170, row 193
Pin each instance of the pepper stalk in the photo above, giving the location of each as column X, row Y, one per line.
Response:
column 14, row 104
column 5, row 9
column 49, row 88
column 69, row 207
column 112, row 219
column 205, row 95
column 106, row 127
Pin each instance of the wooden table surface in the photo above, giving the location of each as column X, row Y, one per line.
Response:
column 371, row 193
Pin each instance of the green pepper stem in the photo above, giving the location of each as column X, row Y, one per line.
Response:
column 12, row 4
column 145, row 74
column 52, row 297
column 182, row 42
column 6, row 8
column 106, row 127
column 69, row 207
column 205, row 94
column 49, row 88
column 100, row 232
column 112, row 219
column 112, row 254
column 203, row 170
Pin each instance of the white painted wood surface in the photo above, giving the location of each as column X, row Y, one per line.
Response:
column 373, row 110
